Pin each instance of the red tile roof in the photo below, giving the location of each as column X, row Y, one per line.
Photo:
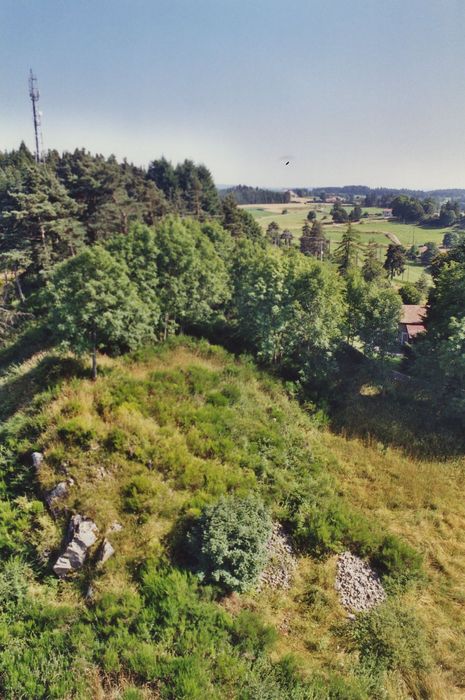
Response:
column 414, row 329
column 413, row 314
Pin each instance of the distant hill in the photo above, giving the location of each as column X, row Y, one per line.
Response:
column 374, row 196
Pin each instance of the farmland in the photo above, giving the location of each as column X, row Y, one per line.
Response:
column 373, row 227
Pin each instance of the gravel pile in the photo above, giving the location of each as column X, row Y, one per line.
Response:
column 358, row 585
column 281, row 562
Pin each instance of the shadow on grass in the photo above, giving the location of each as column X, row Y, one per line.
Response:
column 392, row 414
column 18, row 392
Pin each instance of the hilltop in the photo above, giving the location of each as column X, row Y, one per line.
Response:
column 162, row 432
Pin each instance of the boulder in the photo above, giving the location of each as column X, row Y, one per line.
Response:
column 105, row 552
column 37, row 459
column 58, row 491
column 81, row 537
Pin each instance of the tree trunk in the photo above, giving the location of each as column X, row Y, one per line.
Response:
column 94, row 358
column 19, row 288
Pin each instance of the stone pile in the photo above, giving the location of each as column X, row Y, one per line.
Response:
column 81, row 537
column 358, row 584
column 281, row 561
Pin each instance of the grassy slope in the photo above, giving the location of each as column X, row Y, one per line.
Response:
column 205, row 424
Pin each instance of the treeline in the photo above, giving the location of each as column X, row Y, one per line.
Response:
column 243, row 194
column 52, row 210
column 426, row 211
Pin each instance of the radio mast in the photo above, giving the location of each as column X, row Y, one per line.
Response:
column 34, row 95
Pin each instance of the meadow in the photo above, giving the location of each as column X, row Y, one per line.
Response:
column 372, row 228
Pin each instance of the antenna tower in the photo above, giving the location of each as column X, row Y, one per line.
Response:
column 34, row 95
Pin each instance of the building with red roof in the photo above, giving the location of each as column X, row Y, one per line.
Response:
column 412, row 322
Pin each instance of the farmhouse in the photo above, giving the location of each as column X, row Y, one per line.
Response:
column 411, row 322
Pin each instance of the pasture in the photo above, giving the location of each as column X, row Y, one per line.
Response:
column 374, row 227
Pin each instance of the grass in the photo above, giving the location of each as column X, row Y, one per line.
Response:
column 367, row 228
column 168, row 429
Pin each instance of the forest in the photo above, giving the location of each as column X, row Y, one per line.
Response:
column 187, row 386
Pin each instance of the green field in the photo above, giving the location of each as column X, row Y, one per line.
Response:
column 370, row 228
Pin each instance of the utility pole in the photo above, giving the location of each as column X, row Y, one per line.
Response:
column 34, row 95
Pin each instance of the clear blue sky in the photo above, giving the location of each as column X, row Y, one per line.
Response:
column 353, row 91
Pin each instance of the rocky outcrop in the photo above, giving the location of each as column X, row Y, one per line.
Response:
column 37, row 459
column 81, row 537
column 58, row 491
column 358, row 584
column 281, row 562
column 106, row 550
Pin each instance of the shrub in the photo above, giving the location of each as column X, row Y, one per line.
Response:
column 397, row 560
column 229, row 542
column 390, row 638
column 410, row 293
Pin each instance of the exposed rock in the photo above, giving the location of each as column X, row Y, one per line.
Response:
column 115, row 527
column 358, row 584
column 58, row 491
column 105, row 552
column 37, row 459
column 81, row 536
column 281, row 562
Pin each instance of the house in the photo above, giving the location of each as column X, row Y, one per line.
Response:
column 387, row 213
column 412, row 322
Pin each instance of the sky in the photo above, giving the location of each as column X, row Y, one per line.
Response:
column 349, row 91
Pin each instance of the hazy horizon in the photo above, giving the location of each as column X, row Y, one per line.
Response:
column 367, row 91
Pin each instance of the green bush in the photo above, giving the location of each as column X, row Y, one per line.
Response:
column 396, row 560
column 410, row 294
column 390, row 638
column 229, row 542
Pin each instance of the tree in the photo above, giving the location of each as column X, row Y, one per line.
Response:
column 193, row 279
column 93, row 306
column 346, row 253
column 229, row 542
column 373, row 314
column 313, row 241
column 138, row 252
column 423, row 284
column 372, row 268
column 239, row 222
column 273, row 232
column 440, row 353
column 311, row 216
column 395, row 260
column 410, row 294
column 449, row 213
column 39, row 219
column 450, row 239
column 429, row 254
column 339, row 214
column 356, row 213
column 288, row 309
column 407, row 208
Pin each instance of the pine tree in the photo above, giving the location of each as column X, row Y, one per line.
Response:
column 346, row 253
column 395, row 260
column 372, row 268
